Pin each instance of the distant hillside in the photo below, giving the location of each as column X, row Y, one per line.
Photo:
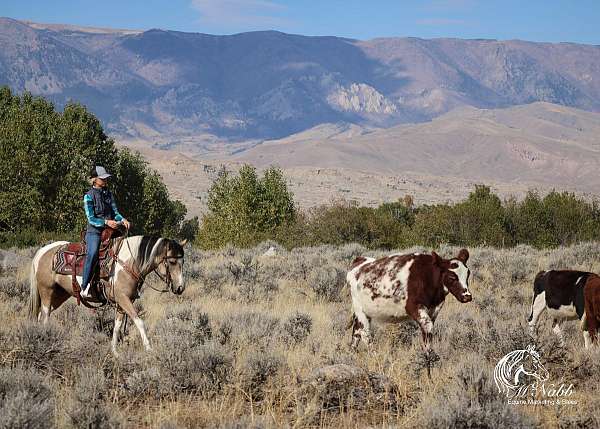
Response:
column 175, row 87
column 541, row 144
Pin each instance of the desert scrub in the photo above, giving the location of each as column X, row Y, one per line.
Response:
column 88, row 407
column 296, row 328
column 327, row 282
column 178, row 367
column 252, row 329
column 12, row 287
column 41, row 346
column 187, row 321
column 470, row 400
column 256, row 370
column 26, row 399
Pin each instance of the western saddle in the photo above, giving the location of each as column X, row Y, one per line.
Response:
column 70, row 259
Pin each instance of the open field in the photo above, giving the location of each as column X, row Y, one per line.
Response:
column 241, row 346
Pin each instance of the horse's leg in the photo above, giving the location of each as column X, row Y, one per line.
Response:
column 125, row 303
column 51, row 299
column 117, row 330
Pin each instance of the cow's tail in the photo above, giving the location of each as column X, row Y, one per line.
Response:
column 34, row 295
column 537, row 285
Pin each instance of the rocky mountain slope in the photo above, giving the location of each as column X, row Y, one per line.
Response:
column 172, row 87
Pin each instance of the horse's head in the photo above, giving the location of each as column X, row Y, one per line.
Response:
column 532, row 366
column 170, row 265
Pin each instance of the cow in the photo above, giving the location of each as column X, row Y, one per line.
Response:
column 401, row 287
column 591, row 295
column 561, row 292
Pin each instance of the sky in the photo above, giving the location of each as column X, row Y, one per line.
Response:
column 537, row 20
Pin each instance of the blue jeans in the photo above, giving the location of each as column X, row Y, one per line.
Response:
column 91, row 259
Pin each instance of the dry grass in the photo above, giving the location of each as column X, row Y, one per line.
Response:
column 243, row 345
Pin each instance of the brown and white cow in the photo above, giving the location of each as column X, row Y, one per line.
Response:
column 567, row 295
column 398, row 287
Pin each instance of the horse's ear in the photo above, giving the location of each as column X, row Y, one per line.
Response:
column 436, row 260
column 463, row 256
column 183, row 242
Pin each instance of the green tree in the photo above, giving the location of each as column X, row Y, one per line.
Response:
column 45, row 160
column 244, row 209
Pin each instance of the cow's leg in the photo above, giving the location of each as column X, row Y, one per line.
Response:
column 586, row 334
column 593, row 330
column 125, row 303
column 558, row 331
column 117, row 331
column 537, row 308
column 361, row 329
column 421, row 315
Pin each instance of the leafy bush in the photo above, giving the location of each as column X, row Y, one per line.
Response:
column 244, row 209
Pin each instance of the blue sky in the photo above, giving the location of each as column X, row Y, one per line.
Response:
column 538, row 20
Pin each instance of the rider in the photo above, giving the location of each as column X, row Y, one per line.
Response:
column 101, row 211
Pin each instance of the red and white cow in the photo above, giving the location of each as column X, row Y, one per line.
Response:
column 398, row 287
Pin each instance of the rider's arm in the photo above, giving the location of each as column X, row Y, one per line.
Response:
column 118, row 216
column 88, row 205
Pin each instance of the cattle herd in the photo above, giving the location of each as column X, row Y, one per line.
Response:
column 402, row 286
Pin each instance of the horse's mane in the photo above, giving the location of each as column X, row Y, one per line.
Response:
column 145, row 248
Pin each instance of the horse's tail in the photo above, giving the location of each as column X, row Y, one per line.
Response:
column 34, row 295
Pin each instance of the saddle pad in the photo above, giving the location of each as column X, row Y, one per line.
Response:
column 65, row 259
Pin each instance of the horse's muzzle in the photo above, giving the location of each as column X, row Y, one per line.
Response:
column 466, row 297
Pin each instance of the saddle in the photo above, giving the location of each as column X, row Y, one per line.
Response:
column 69, row 259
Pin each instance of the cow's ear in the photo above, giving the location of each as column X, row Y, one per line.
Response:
column 436, row 260
column 463, row 256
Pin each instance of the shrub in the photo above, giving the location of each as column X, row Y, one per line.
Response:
column 256, row 370
column 253, row 328
column 88, row 408
column 26, row 399
column 470, row 400
column 327, row 282
column 296, row 328
column 41, row 346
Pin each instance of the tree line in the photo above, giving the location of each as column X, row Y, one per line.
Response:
column 45, row 160
column 246, row 209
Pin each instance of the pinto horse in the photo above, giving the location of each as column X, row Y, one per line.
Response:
column 135, row 258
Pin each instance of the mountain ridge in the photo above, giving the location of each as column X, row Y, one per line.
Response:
column 191, row 89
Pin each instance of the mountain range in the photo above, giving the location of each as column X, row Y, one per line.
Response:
column 193, row 89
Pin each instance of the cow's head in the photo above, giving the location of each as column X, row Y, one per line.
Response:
column 455, row 274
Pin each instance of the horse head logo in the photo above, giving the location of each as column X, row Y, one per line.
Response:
column 517, row 367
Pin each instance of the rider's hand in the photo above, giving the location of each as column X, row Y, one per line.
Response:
column 113, row 224
column 126, row 223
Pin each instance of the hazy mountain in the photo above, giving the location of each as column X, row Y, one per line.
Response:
column 540, row 144
column 197, row 87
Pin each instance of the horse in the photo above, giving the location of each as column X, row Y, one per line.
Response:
column 514, row 365
column 135, row 257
